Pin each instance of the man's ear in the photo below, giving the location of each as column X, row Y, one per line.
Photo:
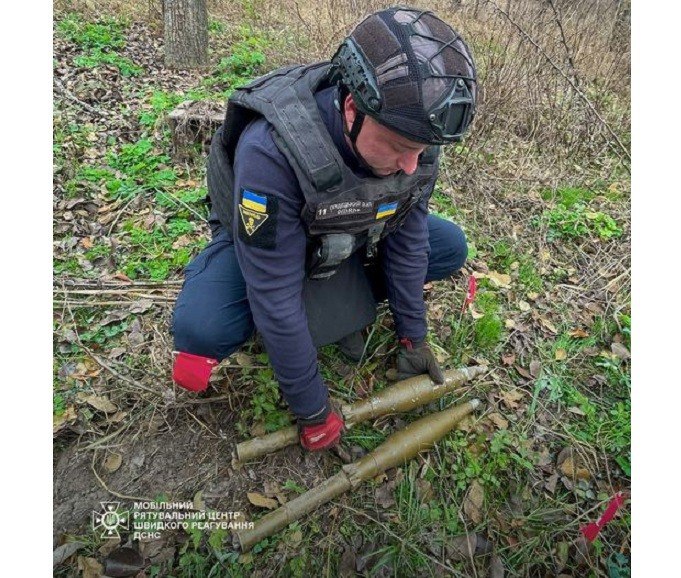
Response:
column 349, row 109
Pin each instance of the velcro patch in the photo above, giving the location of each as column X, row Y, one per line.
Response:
column 258, row 219
column 386, row 209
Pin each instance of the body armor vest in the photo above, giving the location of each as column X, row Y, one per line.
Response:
column 342, row 211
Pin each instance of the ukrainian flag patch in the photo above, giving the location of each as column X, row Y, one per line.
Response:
column 258, row 222
column 254, row 201
column 253, row 209
column 386, row 209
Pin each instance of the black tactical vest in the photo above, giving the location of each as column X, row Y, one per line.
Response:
column 342, row 211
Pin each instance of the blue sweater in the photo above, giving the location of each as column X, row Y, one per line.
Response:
column 274, row 275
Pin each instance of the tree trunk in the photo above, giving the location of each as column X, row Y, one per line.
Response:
column 185, row 32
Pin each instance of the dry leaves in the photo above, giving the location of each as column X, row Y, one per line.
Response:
column 511, row 398
column 571, row 465
column 90, row 567
column 498, row 420
column 620, row 350
column 100, row 403
column 262, row 501
column 59, row 422
column 112, row 462
column 472, row 503
column 499, row 279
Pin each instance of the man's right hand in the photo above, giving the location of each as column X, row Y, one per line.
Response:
column 322, row 430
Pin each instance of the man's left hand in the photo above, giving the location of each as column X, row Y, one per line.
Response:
column 416, row 359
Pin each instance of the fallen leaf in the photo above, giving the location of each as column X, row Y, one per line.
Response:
column 508, row 359
column 524, row 306
column 466, row 546
column 509, row 323
column 123, row 562
column 110, row 544
column 59, row 422
column 575, row 410
column 116, row 352
column 499, row 279
column 551, row 483
column 100, row 403
column 532, row 296
column 424, row 490
column 472, row 502
column 560, row 354
column 346, row 568
column 496, row 568
column 511, row 398
column 243, row 360
column 384, row 495
column 198, row 501
column 295, row 539
column 535, row 368
column 548, row 325
column 86, row 242
column 571, row 465
column 476, row 314
column 65, row 551
column 522, row 371
column 620, row 350
column 141, row 306
column 498, row 420
column 90, row 567
column 118, row 417
column 112, row 462
column 122, row 277
column 262, row 501
column 578, row 333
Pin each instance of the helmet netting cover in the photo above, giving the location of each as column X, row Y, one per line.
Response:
column 416, row 58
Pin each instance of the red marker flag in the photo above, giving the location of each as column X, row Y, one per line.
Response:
column 590, row 531
column 470, row 294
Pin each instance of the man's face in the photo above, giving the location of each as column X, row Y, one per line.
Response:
column 385, row 151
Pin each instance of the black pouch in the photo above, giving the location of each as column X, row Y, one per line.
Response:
column 341, row 304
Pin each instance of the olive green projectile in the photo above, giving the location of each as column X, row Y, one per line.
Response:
column 397, row 450
column 401, row 397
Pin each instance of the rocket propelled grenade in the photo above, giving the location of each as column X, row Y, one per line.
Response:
column 401, row 397
column 397, row 450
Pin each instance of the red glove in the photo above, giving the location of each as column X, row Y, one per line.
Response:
column 192, row 371
column 322, row 430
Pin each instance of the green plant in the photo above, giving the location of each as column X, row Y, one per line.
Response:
column 153, row 252
column 58, row 403
column 138, row 170
column 105, row 34
column 568, row 196
column 100, row 42
column 245, row 61
column 97, row 57
column 159, row 103
column 488, row 331
column 578, row 221
column 265, row 400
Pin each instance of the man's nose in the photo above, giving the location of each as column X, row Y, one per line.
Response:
column 408, row 162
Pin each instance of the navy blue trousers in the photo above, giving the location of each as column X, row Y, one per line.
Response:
column 212, row 317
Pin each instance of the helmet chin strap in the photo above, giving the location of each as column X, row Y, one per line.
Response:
column 353, row 134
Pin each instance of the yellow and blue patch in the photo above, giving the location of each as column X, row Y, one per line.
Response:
column 258, row 222
column 252, row 200
column 386, row 209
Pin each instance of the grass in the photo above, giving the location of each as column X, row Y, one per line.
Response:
column 572, row 216
column 100, row 42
